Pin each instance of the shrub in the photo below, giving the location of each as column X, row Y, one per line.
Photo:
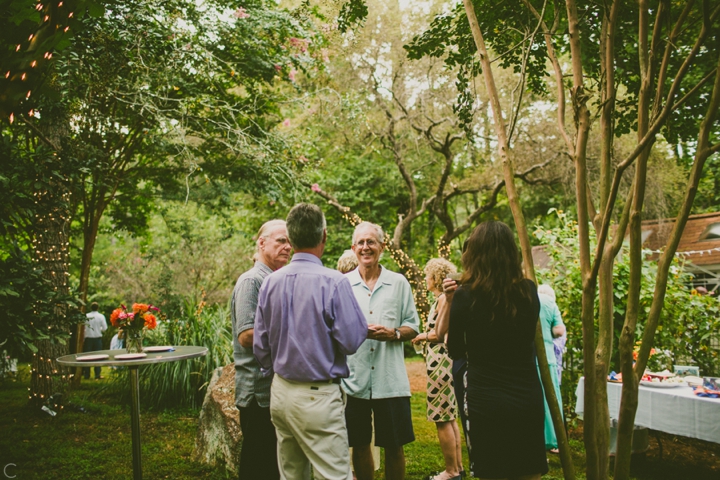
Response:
column 688, row 324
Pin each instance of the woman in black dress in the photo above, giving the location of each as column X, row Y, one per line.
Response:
column 493, row 317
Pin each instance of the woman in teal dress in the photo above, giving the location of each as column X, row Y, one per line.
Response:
column 552, row 327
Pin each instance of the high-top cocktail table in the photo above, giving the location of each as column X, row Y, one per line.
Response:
column 174, row 355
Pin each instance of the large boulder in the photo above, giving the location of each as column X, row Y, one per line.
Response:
column 219, row 437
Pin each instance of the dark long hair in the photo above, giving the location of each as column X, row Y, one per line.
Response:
column 492, row 268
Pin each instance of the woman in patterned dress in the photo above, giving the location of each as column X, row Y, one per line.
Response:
column 441, row 404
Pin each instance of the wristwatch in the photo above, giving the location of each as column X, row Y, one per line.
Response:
column 397, row 334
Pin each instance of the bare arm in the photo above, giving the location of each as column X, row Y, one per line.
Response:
column 442, row 325
column 558, row 331
column 443, row 319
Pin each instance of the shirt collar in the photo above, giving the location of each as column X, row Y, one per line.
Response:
column 262, row 267
column 306, row 257
column 355, row 278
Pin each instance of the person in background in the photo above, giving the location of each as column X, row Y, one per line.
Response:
column 95, row 325
column 441, row 404
column 378, row 388
column 552, row 327
column 258, row 457
column 117, row 342
column 347, row 262
column 493, row 318
column 306, row 323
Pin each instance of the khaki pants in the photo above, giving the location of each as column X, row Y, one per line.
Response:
column 309, row 420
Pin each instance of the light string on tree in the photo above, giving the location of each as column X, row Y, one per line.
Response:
column 51, row 253
column 49, row 13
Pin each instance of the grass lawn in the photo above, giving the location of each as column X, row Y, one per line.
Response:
column 96, row 443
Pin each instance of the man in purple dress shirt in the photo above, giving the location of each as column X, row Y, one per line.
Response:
column 307, row 322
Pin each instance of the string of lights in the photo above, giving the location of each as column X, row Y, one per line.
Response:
column 22, row 75
column 690, row 253
column 51, row 254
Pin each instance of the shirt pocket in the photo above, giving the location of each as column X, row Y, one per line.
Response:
column 390, row 318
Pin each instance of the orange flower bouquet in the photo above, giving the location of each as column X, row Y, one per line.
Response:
column 134, row 323
column 658, row 360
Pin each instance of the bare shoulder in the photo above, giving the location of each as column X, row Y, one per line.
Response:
column 442, row 301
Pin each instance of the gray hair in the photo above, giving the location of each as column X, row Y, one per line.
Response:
column 305, row 225
column 378, row 231
column 545, row 289
column 348, row 261
column 263, row 233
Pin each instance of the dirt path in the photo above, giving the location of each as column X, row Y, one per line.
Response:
column 416, row 374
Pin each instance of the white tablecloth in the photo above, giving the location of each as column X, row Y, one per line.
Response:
column 673, row 410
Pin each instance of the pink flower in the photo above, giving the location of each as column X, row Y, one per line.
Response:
column 286, row 122
column 241, row 13
column 292, row 74
column 315, row 187
column 122, row 316
column 303, row 159
column 325, row 55
column 299, row 43
column 278, row 67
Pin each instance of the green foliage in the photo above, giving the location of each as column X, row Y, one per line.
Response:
column 28, row 303
column 188, row 251
column 183, row 383
column 352, row 13
column 514, row 34
column 30, row 30
column 688, row 323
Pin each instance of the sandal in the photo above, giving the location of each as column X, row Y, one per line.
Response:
column 437, row 476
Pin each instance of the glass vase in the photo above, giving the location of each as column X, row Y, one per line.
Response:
column 134, row 340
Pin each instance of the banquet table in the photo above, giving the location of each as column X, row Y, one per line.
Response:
column 672, row 410
column 174, row 355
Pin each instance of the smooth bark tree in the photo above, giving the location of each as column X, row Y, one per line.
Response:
column 657, row 84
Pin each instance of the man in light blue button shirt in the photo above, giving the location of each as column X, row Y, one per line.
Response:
column 378, row 384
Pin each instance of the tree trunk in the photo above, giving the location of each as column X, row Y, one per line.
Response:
column 629, row 399
column 603, row 351
column 91, row 223
column 514, row 201
column 602, row 362
column 50, row 240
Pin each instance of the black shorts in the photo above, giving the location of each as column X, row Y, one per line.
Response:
column 393, row 421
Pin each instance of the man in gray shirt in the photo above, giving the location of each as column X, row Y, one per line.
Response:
column 258, row 458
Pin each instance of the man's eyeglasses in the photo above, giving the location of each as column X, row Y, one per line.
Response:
column 370, row 243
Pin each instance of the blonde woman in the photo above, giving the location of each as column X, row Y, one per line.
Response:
column 347, row 262
column 441, row 404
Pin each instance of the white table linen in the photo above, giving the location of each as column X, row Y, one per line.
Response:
column 673, row 410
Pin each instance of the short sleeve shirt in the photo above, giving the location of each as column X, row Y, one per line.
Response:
column 377, row 369
column 249, row 381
